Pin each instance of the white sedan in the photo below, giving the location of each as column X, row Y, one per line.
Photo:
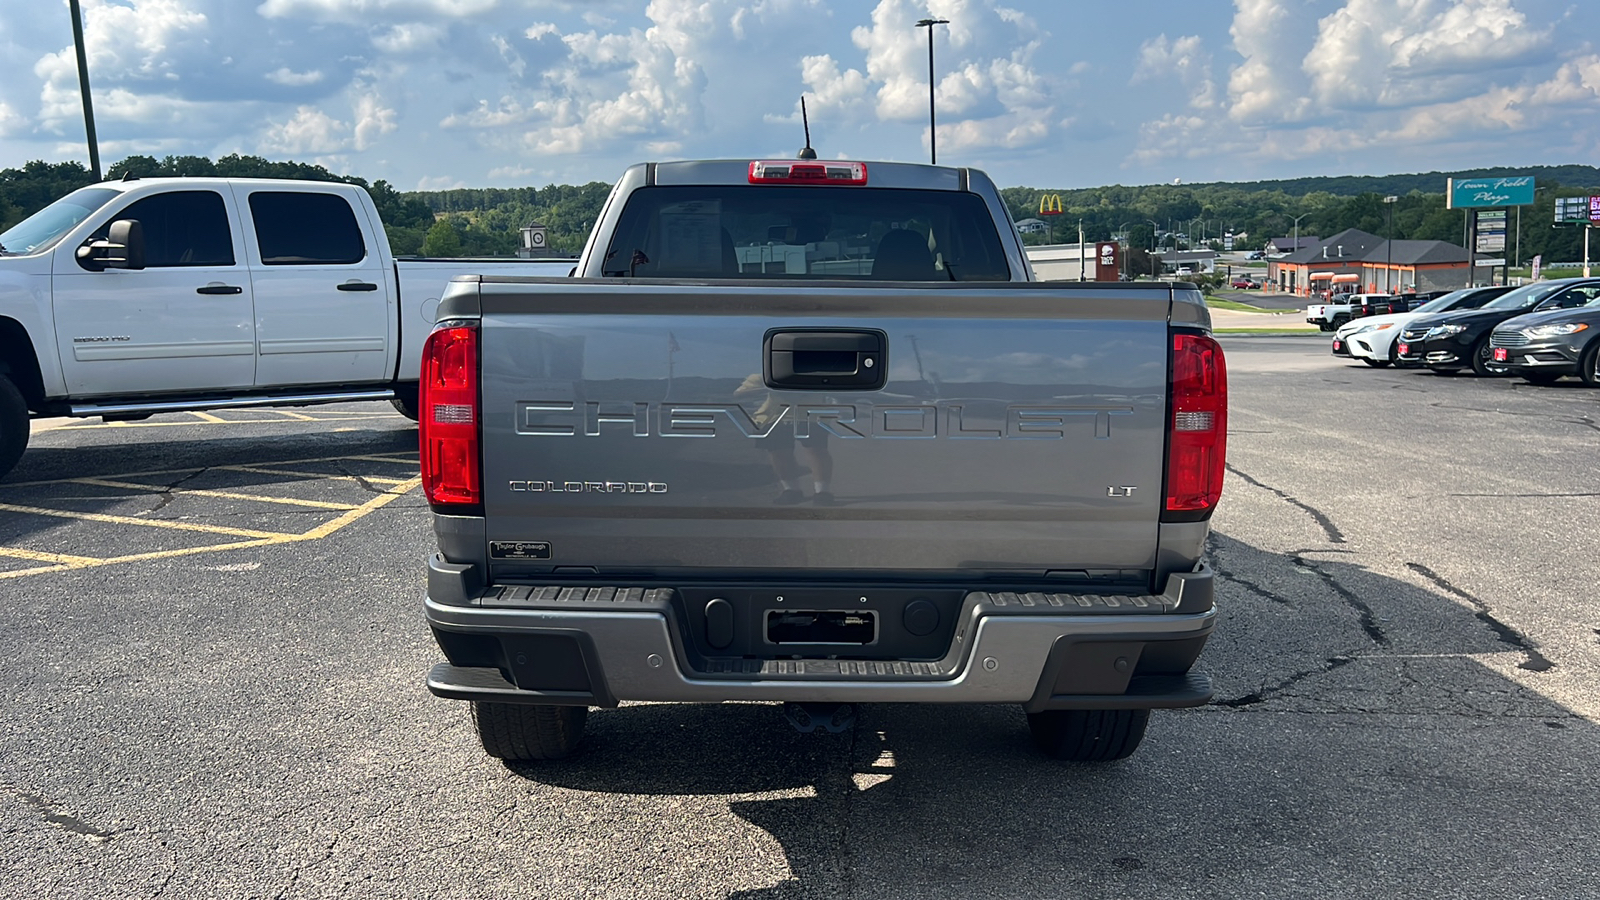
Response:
column 1371, row 339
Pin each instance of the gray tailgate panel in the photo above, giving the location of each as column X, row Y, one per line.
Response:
column 627, row 425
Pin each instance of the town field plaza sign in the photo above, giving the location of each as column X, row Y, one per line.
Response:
column 1477, row 193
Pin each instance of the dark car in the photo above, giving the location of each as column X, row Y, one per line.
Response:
column 1544, row 346
column 1454, row 341
column 1379, row 344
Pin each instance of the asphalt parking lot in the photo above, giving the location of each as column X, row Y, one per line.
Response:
column 215, row 656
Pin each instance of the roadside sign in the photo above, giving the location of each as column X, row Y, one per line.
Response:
column 1476, row 193
column 1574, row 209
column 1594, row 209
column 1491, row 231
column 1050, row 205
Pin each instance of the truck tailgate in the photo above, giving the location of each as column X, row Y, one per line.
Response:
column 632, row 427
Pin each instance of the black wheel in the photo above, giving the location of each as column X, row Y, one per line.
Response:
column 1589, row 365
column 1394, row 353
column 1339, row 321
column 1540, row 377
column 405, row 401
column 1375, row 363
column 13, row 425
column 1324, row 326
column 1481, row 365
column 520, row 732
column 1089, row 735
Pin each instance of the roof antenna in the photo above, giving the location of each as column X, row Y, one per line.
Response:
column 805, row 152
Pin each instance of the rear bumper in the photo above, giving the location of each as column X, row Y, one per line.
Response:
column 1044, row 651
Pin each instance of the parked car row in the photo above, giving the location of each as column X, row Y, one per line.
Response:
column 1540, row 332
column 1343, row 307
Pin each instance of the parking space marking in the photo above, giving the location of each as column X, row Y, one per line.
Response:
column 258, row 470
column 225, row 495
column 40, row 556
column 148, row 523
column 60, row 562
column 205, row 418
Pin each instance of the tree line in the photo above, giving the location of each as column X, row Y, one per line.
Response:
column 488, row 221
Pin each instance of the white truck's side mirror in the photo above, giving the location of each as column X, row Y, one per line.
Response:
column 123, row 248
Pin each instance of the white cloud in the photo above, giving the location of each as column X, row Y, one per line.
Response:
column 11, row 121
column 1185, row 57
column 1410, row 52
column 409, row 38
column 123, row 43
column 1264, row 87
column 541, row 29
column 373, row 120
column 290, row 78
column 990, row 94
column 362, row 11
column 310, row 131
column 439, row 183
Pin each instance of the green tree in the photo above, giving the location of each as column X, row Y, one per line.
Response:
column 442, row 240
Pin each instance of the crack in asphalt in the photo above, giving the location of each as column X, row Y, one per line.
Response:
column 1369, row 621
column 60, row 819
column 1535, row 661
column 165, row 495
column 1248, row 585
column 1262, row 695
column 361, row 480
column 1335, row 536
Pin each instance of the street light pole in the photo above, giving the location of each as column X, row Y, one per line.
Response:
column 933, row 134
column 1388, row 270
column 83, row 88
column 1297, row 242
column 1155, row 260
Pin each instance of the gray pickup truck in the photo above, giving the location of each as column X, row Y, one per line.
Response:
column 808, row 432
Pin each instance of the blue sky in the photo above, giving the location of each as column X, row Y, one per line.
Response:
column 476, row 93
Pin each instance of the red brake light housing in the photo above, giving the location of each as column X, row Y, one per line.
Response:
column 1197, row 432
column 449, row 417
column 807, row 171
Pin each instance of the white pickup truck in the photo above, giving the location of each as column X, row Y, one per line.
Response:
column 125, row 299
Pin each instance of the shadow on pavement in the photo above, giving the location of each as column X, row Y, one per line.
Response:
column 1355, row 748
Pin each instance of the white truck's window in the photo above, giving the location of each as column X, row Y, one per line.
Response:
column 40, row 231
column 297, row 229
column 181, row 228
column 766, row 231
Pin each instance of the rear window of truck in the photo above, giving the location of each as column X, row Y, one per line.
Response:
column 833, row 232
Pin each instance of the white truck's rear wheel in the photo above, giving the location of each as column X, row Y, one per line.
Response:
column 1089, row 735
column 13, row 425
column 405, row 401
column 524, row 732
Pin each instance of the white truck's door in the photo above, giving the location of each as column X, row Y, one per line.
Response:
column 324, row 313
column 183, row 323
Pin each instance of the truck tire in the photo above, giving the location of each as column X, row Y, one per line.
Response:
column 13, row 425
column 1089, row 735
column 405, row 401
column 523, row 732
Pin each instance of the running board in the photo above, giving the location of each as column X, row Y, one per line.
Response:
column 121, row 409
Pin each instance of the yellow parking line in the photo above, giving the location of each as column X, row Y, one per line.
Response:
column 346, row 417
column 64, row 562
column 39, row 556
column 226, row 495
column 320, row 476
column 302, row 417
column 149, row 523
column 408, row 460
column 208, row 417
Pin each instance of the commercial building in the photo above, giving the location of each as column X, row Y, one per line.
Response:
column 1356, row 260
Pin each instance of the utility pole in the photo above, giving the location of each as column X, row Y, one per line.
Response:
column 1297, row 241
column 1389, row 267
column 83, row 88
column 1080, row 251
column 933, row 134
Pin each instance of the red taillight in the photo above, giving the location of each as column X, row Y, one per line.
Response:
column 448, row 420
column 804, row 171
column 1198, row 433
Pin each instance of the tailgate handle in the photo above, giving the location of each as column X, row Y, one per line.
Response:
column 831, row 358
